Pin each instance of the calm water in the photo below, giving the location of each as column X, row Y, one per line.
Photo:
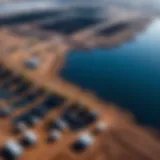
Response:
column 128, row 76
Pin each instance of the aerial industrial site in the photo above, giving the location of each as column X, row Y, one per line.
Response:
column 44, row 116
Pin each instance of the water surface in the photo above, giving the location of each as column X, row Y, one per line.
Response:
column 128, row 76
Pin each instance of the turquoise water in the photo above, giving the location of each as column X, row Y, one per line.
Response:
column 128, row 75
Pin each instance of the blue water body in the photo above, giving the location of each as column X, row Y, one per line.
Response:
column 128, row 75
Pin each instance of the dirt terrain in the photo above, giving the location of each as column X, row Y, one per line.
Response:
column 122, row 138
